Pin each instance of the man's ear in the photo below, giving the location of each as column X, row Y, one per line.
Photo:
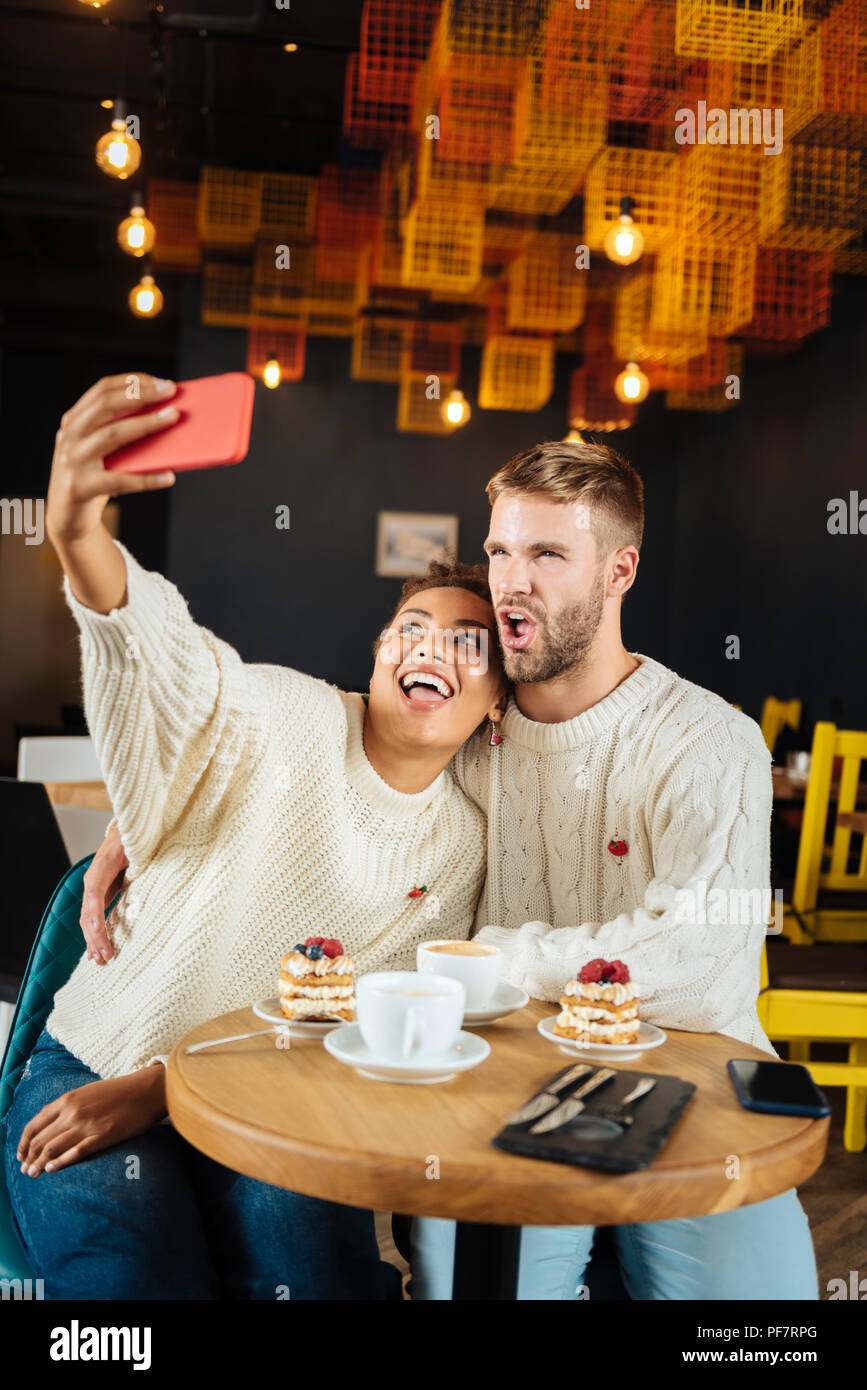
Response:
column 623, row 570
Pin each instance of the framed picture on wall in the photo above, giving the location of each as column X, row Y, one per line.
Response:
column 407, row 541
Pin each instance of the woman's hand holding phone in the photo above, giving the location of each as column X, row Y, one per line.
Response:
column 80, row 486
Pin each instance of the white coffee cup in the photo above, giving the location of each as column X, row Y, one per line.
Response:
column 798, row 767
column 405, row 1016
column 474, row 963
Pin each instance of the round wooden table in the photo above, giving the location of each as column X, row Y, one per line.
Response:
column 300, row 1119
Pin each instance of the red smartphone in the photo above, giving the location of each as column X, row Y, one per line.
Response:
column 213, row 428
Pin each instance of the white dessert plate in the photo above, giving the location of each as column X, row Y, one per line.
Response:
column 269, row 1009
column 348, row 1046
column 648, row 1036
column 504, row 1000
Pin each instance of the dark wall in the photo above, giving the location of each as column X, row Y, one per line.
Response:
column 754, row 556
column 327, row 448
column 736, row 540
column 37, row 385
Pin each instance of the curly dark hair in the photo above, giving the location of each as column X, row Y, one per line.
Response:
column 448, row 574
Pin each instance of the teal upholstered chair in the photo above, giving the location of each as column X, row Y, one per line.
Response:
column 56, row 951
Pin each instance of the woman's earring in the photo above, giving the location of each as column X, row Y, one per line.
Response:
column 496, row 736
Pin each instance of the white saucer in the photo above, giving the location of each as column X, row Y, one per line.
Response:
column 348, row 1046
column 504, row 1000
column 648, row 1036
column 269, row 1009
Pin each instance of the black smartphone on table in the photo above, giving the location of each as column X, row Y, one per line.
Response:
column 777, row 1088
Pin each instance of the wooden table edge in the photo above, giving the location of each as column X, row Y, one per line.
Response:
column 90, row 796
column 386, row 1184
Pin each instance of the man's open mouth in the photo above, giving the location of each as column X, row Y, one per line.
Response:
column 425, row 689
column 517, row 628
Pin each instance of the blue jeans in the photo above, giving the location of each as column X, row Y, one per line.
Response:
column 152, row 1218
column 763, row 1251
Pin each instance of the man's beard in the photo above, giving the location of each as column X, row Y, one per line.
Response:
column 563, row 644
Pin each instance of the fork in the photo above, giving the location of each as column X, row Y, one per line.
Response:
column 618, row 1112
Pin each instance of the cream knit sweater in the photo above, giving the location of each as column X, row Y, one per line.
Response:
column 685, row 780
column 251, row 819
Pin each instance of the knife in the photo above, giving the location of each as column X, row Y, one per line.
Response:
column 549, row 1096
column 568, row 1109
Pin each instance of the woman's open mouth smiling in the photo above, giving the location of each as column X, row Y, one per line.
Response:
column 517, row 628
column 425, row 689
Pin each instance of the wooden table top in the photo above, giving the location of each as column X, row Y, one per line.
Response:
column 93, row 796
column 300, row 1119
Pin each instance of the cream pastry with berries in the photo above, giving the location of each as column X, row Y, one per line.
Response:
column 316, row 982
column 600, row 1005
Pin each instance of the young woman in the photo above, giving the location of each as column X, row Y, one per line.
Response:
column 256, row 806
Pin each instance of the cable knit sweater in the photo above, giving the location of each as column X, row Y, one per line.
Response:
column 251, row 819
column 685, row 781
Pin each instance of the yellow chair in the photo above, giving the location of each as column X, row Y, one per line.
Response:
column 824, row 846
column 776, row 714
column 800, row 1015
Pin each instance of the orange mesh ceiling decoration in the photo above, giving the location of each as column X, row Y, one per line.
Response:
column 493, row 154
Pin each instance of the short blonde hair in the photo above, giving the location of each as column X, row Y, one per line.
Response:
column 593, row 474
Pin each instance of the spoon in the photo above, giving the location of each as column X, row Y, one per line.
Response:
column 259, row 1032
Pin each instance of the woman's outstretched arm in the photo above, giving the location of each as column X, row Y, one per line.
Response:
column 168, row 704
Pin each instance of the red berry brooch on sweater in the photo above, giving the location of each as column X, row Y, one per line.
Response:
column 618, row 848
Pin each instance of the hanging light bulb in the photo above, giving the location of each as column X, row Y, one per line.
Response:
column 631, row 385
column 624, row 242
column 95, row 4
column 136, row 233
column 117, row 153
column 146, row 298
column 271, row 373
column 573, row 437
column 456, row 409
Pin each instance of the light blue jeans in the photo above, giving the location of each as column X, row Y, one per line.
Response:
column 757, row 1252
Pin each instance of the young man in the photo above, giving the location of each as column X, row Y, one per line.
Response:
column 604, row 749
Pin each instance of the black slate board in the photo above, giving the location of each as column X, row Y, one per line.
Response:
column 634, row 1147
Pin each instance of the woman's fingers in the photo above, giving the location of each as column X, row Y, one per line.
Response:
column 113, row 409
column 51, row 1142
column 92, row 917
column 99, row 947
column 76, row 1151
column 105, row 484
column 41, row 1121
column 111, row 396
column 101, row 883
column 93, row 445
